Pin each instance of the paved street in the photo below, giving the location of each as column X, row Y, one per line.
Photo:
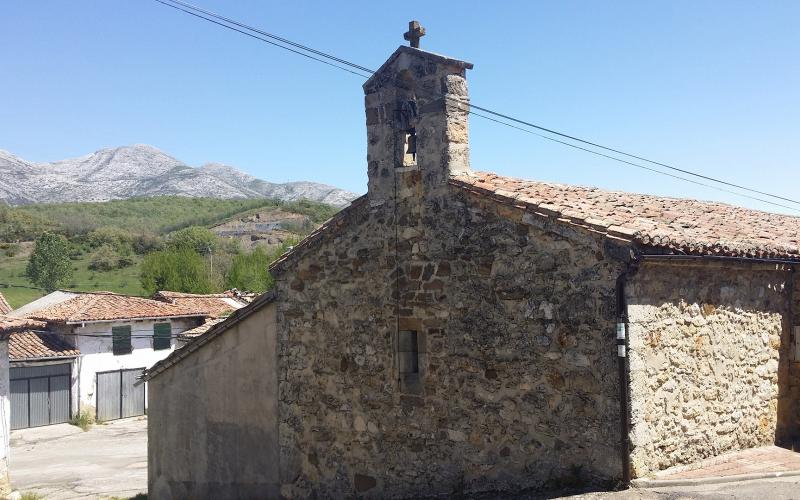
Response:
column 760, row 489
column 62, row 462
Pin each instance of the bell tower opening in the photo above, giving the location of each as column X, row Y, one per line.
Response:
column 410, row 148
column 416, row 108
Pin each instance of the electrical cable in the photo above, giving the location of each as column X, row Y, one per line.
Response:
column 183, row 6
column 259, row 38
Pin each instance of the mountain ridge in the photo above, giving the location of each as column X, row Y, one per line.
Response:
column 142, row 170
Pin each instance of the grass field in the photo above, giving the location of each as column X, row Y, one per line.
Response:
column 12, row 272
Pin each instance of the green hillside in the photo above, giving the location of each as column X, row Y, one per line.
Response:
column 125, row 230
column 12, row 271
column 157, row 215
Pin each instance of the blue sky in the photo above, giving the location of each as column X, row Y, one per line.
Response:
column 706, row 86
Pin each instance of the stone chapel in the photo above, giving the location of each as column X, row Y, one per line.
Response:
column 455, row 331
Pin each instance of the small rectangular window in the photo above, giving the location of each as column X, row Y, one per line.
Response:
column 162, row 336
column 408, row 352
column 121, row 340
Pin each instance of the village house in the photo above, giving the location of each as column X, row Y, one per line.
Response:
column 41, row 367
column 88, row 352
column 218, row 305
column 8, row 326
column 456, row 331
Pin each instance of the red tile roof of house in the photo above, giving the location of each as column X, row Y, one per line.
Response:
column 11, row 325
column 107, row 306
column 668, row 224
column 27, row 339
column 199, row 330
column 216, row 304
column 5, row 307
column 33, row 345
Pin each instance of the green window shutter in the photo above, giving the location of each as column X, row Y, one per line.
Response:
column 162, row 336
column 121, row 340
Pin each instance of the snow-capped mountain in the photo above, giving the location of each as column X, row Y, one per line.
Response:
column 142, row 170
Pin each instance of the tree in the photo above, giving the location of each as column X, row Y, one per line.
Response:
column 49, row 266
column 249, row 271
column 177, row 270
column 199, row 239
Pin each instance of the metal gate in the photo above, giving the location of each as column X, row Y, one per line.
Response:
column 117, row 396
column 40, row 395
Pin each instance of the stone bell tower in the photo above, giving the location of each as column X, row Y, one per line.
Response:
column 416, row 106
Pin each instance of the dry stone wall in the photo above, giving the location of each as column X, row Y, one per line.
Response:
column 706, row 343
column 517, row 359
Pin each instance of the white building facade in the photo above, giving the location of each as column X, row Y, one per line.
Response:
column 119, row 351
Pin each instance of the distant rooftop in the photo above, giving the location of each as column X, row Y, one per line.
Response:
column 108, row 306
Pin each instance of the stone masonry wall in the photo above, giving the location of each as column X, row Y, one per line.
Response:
column 706, row 342
column 788, row 434
column 517, row 352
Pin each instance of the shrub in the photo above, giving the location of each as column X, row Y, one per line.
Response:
column 10, row 249
column 84, row 420
column 104, row 258
column 110, row 236
column 146, row 243
column 180, row 270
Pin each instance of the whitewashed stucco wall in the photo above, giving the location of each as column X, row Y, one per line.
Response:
column 97, row 355
column 5, row 421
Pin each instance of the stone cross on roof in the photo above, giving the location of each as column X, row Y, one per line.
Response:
column 414, row 33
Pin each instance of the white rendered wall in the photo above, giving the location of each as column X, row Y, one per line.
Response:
column 97, row 355
column 5, row 420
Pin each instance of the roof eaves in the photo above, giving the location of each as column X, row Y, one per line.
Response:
column 42, row 358
column 131, row 318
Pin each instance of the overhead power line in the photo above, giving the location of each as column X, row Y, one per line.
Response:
column 357, row 69
column 632, row 163
column 145, row 334
column 269, row 35
column 257, row 37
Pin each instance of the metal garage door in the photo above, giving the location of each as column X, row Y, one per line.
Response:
column 40, row 395
column 117, row 396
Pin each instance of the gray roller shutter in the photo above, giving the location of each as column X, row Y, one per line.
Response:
column 40, row 395
column 118, row 396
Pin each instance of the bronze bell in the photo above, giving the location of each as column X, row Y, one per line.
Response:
column 412, row 144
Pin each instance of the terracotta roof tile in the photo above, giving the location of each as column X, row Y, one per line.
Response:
column 11, row 325
column 32, row 345
column 672, row 224
column 216, row 304
column 5, row 308
column 107, row 306
column 199, row 330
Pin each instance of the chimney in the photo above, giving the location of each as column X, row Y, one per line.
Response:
column 416, row 108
